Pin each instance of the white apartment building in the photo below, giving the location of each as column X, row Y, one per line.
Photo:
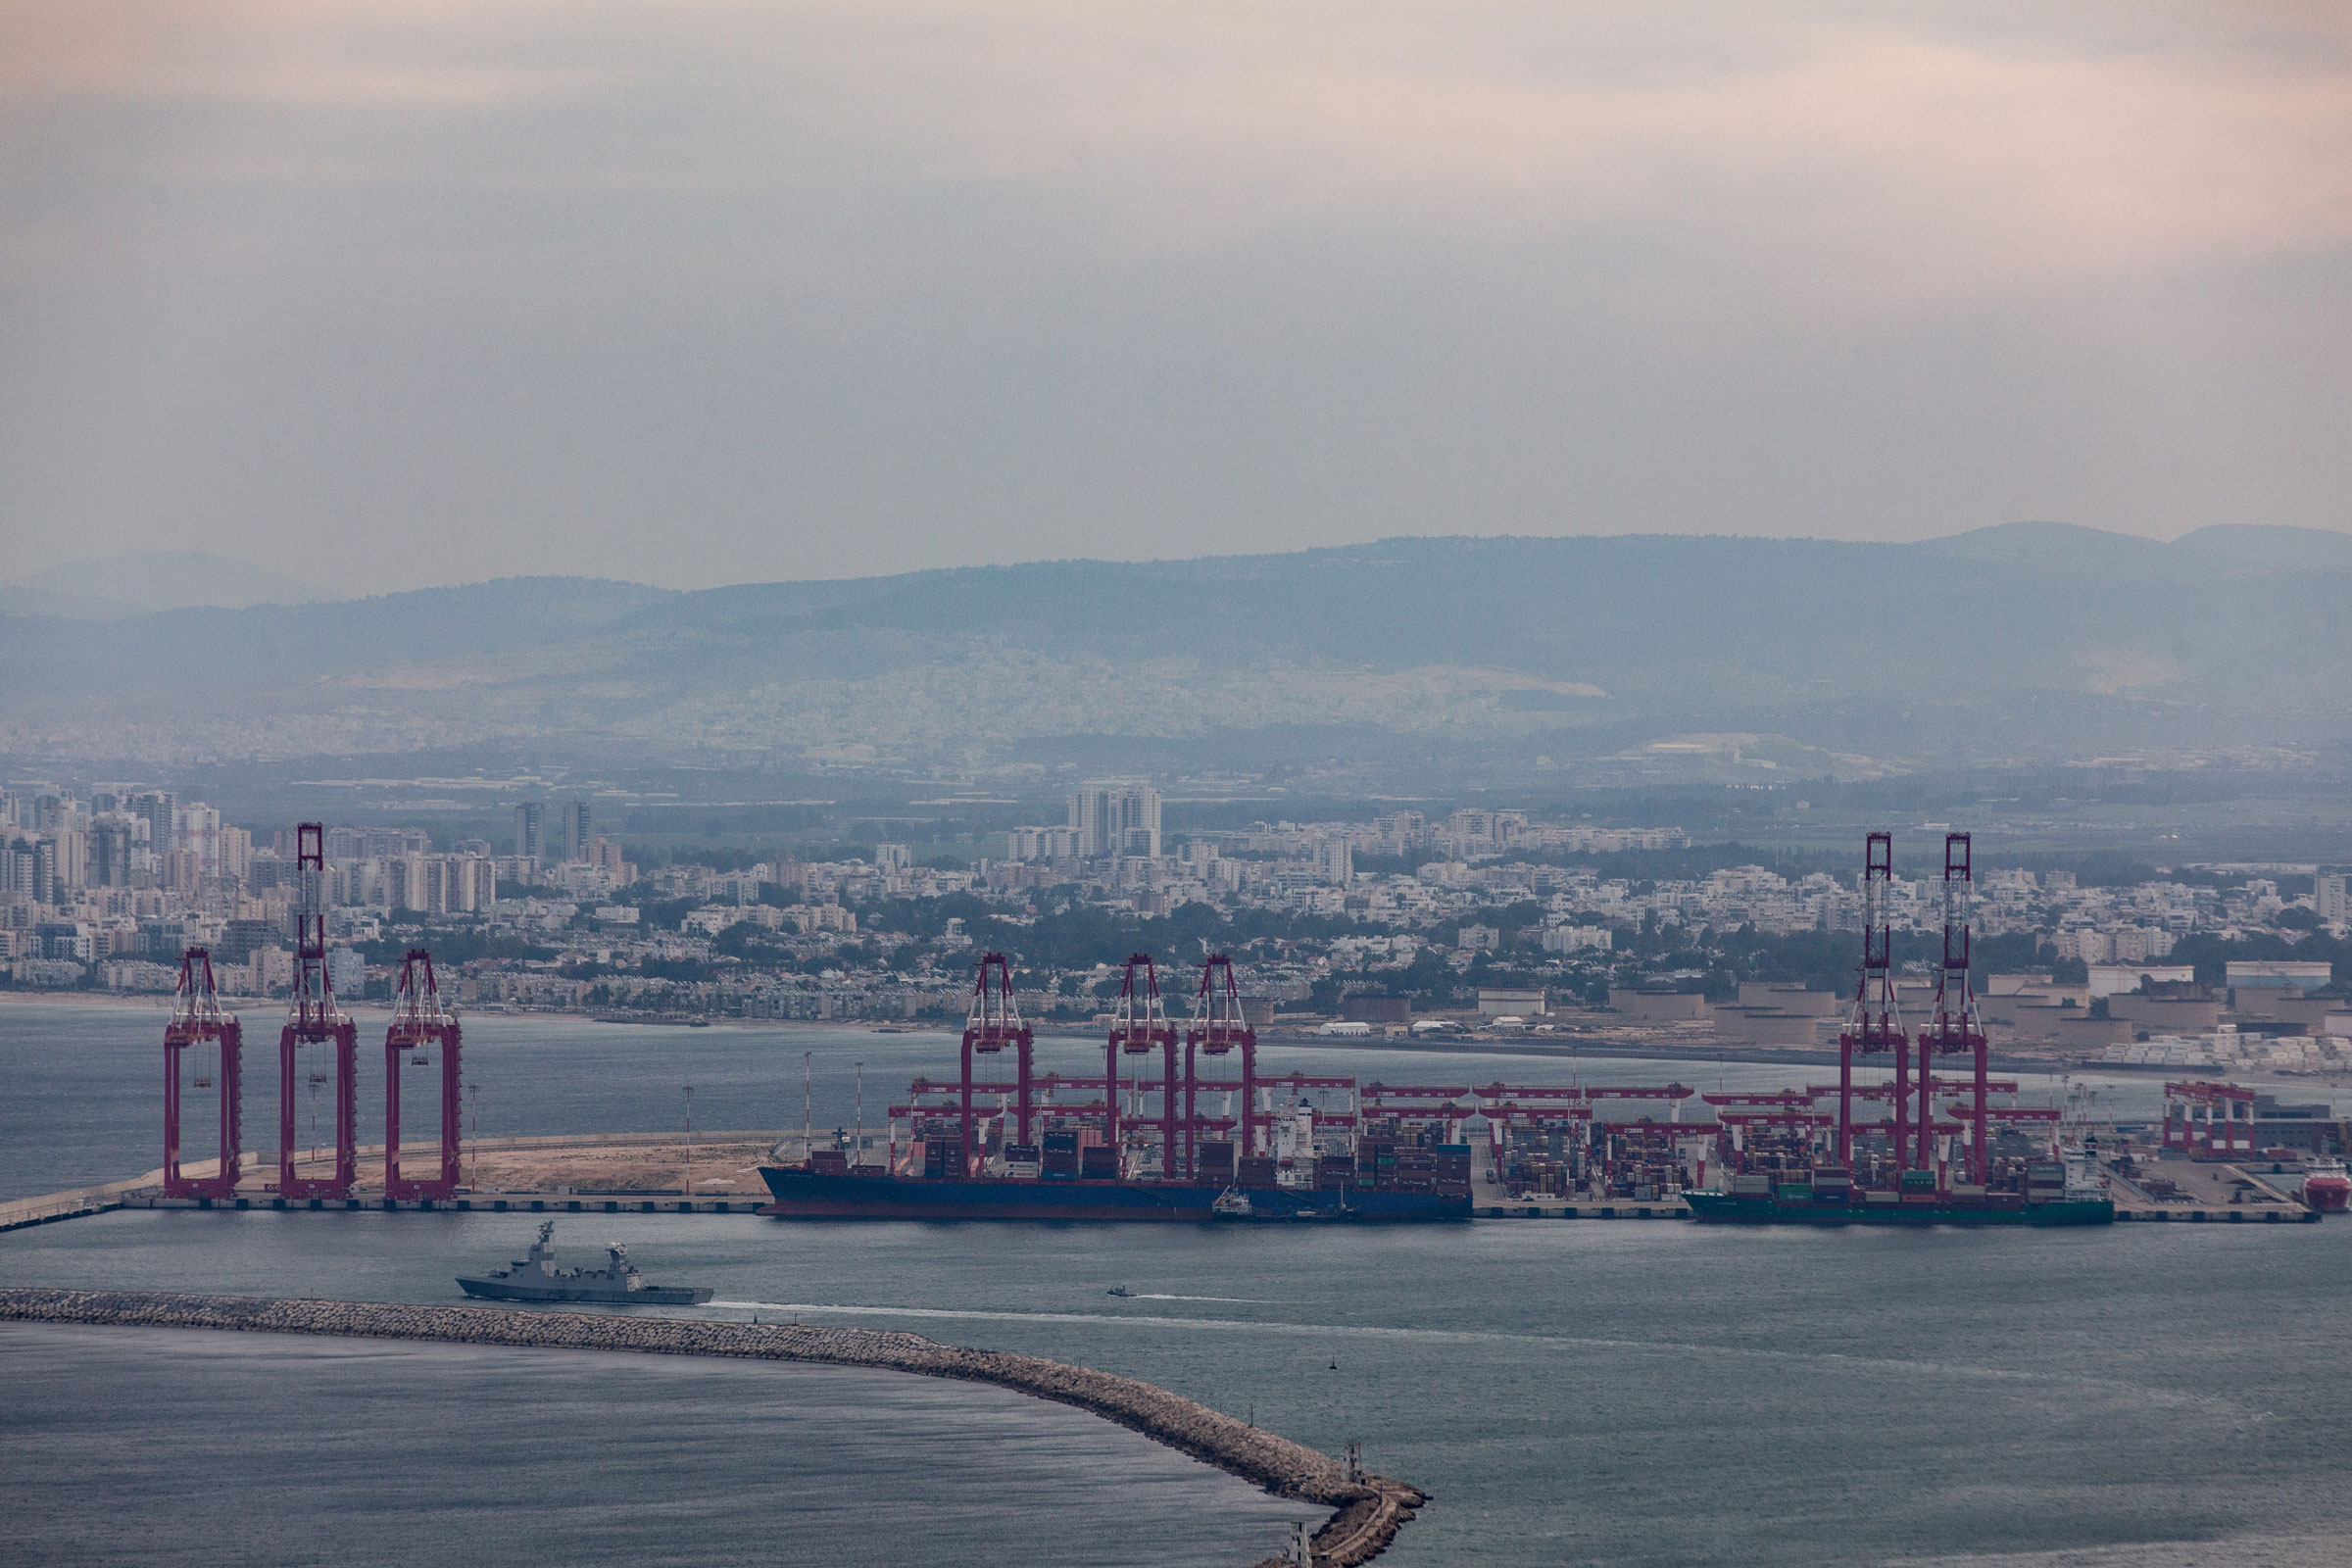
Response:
column 1115, row 816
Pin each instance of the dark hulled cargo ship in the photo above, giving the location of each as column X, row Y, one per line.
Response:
column 801, row 1193
column 1154, row 1139
column 1741, row 1209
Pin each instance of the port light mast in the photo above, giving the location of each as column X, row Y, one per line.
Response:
column 420, row 1025
column 197, row 1019
column 313, row 1020
column 994, row 1023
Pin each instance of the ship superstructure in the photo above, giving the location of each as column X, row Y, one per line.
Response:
column 534, row 1277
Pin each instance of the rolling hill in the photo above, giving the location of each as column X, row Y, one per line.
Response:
column 2025, row 640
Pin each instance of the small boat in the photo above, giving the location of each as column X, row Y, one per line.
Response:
column 1234, row 1206
column 1119, row 1291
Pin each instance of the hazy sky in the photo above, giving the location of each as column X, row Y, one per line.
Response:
column 403, row 293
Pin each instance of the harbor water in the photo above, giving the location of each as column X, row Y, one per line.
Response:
column 1606, row 1392
column 146, row 1447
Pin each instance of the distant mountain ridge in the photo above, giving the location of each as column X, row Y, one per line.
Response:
column 2041, row 633
column 141, row 581
column 2227, row 546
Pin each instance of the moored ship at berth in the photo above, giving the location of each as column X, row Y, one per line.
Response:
column 1936, row 1209
column 1171, row 1145
column 805, row 1193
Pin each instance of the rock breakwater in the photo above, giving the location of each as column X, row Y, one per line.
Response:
column 1370, row 1510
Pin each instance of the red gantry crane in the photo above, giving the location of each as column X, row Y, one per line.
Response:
column 1956, row 1029
column 992, row 1024
column 198, row 1020
column 2211, row 1102
column 1219, row 1028
column 1873, row 1023
column 313, row 1020
column 420, row 1025
column 1139, row 1025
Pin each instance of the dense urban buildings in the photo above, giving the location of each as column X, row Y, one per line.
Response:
column 1496, row 918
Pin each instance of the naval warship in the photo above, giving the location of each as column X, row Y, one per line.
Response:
column 536, row 1278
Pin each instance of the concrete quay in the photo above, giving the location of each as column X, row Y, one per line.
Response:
column 469, row 1203
column 2126, row 1213
column 1369, row 1509
column 2209, row 1193
column 568, row 1164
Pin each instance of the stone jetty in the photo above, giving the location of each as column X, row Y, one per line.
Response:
column 1369, row 1509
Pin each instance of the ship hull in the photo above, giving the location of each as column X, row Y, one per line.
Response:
column 552, row 1295
column 809, row 1195
column 1728, row 1209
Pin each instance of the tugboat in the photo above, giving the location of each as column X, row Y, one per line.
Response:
column 536, row 1278
column 1234, row 1206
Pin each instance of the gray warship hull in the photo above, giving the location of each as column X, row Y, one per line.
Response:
column 610, row 1294
column 534, row 1277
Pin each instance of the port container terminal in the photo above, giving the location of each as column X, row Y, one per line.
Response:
column 1177, row 1097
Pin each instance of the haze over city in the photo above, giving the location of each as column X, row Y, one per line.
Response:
column 1228, row 786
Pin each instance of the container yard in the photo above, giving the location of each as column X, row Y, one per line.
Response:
column 1157, row 1136
column 1175, row 1118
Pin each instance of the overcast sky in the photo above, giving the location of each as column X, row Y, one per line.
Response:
column 392, row 294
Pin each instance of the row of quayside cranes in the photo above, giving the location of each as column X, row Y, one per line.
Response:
column 318, row 1046
column 1909, row 1139
column 956, row 1133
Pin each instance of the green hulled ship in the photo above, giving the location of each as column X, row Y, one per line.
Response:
column 2054, row 1195
column 1942, row 1208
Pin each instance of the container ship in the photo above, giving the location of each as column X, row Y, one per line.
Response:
column 805, row 1192
column 2055, row 1195
column 1946, row 1155
column 1167, row 1146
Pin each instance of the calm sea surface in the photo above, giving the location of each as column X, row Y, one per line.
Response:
column 165, row 1447
column 1569, row 1392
